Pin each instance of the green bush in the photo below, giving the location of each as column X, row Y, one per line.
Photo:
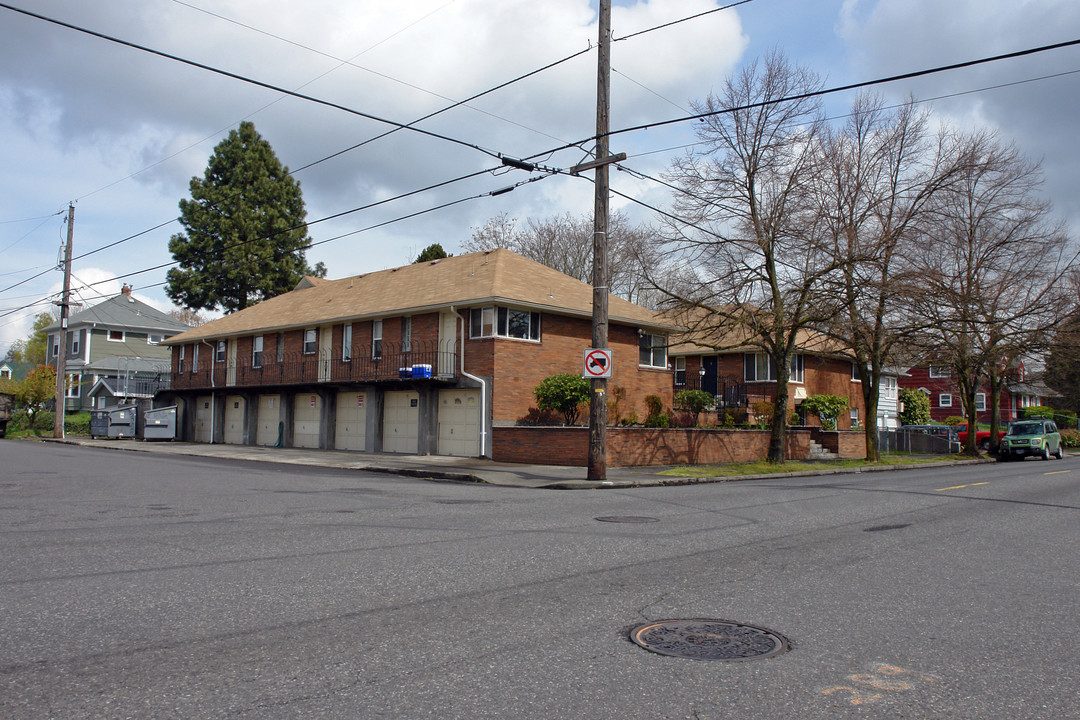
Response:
column 954, row 420
column 564, row 394
column 916, row 407
column 656, row 417
column 1070, row 438
column 694, row 402
column 826, row 407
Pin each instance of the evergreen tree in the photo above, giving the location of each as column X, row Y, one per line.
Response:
column 245, row 232
column 433, row 251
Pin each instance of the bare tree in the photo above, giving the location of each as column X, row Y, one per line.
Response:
column 564, row 243
column 992, row 264
column 873, row 182
column 747, row 226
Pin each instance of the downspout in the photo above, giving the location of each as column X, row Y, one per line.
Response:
column 483, row 387
column 213, row 395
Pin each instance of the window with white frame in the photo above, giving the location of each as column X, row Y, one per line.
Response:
column 180, row 359
column 759, row 367
column 888, row 386
column 652, row 350
column 256, row 351
column 75, row 344
column 154, row 338
column 376, row 339
column 680, row 370
column 944, row 400
column 74, row 381
column 980, row 402
column 311, row 341
column 854, row 416
column 195, row 358
column 346, row 342
column 115, row 336
column 219, row 351
column 280, row 347
column 940, row 371
column 55, row 341
column 504, row 322
column 406, row 334
column 5, row 373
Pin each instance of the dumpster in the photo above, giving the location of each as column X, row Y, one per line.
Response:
column 159, row 424
column 117, row 421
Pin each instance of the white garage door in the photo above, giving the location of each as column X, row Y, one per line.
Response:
column 306, row 421
column 204, row 418
column 234, row 420
column 266, row 434
column 351, row 427
column 401, row 422
column 459, row 423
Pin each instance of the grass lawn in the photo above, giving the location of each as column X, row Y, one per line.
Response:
column 797, row 466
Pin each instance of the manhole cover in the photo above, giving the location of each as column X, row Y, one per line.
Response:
column 627, row 519
column 709, row 640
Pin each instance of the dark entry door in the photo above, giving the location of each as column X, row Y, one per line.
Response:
column 708, row 383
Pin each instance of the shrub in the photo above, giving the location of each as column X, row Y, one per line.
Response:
column 916, row 407
column 954, row 420
column 826, row 407
column 694, row 402
column 1070, row 438
column 763, row 414
column 656, row 417
column 564, row 394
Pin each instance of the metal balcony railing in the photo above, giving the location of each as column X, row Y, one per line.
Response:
column 419, row 361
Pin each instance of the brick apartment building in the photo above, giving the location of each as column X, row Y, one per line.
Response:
column 431, row 358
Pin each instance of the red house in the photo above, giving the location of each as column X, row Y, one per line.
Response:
column 937, row 382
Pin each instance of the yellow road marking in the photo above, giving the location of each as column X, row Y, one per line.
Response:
column 1057, row 472
column 957, row 487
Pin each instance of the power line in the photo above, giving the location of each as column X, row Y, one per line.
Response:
column 250, row 81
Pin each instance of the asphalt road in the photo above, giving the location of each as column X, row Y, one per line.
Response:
column 148, row 587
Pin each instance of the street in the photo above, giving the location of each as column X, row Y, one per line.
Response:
column 141, row 586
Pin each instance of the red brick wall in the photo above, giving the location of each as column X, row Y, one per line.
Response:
column 640, row 446
column 518, row 366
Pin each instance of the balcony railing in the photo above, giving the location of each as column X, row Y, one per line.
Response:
column 421, row 361
column 729, row 393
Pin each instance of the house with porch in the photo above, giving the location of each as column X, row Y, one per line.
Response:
column 726, row 364
column 431, row 358
column 113, row 351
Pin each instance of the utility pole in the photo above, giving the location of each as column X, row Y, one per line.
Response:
column 65, row 311
column 598, row 400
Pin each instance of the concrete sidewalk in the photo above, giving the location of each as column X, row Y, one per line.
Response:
column 441, row 467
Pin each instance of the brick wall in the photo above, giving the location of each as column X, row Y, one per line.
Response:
column 640, row 446
column 518, row 366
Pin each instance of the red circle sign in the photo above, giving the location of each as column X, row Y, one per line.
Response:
column 598, row 363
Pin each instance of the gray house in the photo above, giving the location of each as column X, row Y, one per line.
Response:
column 113, row 352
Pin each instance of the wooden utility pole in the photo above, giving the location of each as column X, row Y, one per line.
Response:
column 65, row 311
column 598, row 401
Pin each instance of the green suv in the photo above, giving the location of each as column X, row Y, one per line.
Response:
column 1030, row 437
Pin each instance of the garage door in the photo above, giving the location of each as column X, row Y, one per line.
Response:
column 234, row 420
column 351, row 427
column 266, row 433
column 459, row 423
column 401, row 422
column 204, row 418
column 306, row 421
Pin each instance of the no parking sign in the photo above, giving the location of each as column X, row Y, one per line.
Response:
column 598, row 363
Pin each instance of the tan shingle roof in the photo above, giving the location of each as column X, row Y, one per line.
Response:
column 497, row 276
column 705, row 336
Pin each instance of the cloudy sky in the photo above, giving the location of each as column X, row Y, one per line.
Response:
column 120, row 131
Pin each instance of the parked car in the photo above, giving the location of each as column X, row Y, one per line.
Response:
column 982, row 437
column 1031, row 437
column 946, row 433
